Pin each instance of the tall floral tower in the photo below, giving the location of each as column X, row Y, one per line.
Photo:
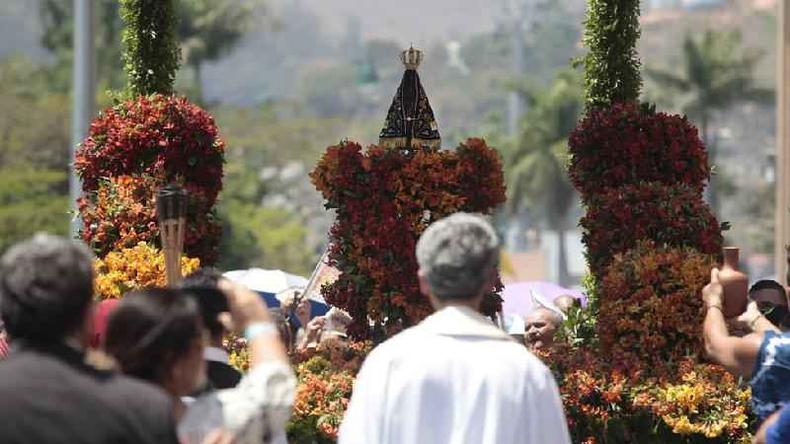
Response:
column 151, row 137
column 651, row 241
column 386, row 195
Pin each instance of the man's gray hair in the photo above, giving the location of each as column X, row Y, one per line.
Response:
column 46, row 287
column 457, row 255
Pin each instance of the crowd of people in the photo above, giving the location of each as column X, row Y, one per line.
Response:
column 151, row 368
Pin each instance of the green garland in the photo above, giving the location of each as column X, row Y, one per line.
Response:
column 612, row 65
column 151, row 54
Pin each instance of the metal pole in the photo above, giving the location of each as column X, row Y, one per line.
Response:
column 84, row 93
column 782, row 230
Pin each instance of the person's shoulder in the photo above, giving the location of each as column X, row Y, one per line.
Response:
column 222, row 375
column 402, row 345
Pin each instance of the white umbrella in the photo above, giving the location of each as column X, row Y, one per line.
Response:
column 266, row 281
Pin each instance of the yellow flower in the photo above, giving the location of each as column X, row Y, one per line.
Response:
column 132, row 268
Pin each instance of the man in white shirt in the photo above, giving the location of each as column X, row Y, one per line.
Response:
column 455, row 377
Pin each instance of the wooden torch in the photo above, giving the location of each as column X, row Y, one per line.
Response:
column 171, row 209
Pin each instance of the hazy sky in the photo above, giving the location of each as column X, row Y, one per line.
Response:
column 421, row 22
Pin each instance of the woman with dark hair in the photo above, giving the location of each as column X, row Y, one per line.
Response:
column 158, row 335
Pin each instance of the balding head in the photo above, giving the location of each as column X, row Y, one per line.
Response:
column 540, row 326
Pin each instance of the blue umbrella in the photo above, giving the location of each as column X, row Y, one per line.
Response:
column 268, row 283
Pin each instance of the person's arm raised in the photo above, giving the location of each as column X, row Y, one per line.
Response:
column 249, row 316
column 737, row 355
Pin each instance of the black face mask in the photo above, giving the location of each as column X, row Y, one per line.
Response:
column 776, row 314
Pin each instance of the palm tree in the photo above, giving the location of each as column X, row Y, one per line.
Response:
column 715, row 74
column 538, row 178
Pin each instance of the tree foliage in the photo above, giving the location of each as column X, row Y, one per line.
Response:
column 208, row 28
column 715, row 73
column 151, row 55
column 538, row 177
column 612, row 63
column 205, row 30
column 31, row 201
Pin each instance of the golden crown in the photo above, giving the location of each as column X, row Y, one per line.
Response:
column 411, row 58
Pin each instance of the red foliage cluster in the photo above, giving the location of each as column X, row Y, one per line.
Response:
column 628, row 143
column 122, row 213
column 652, row 311
column 619, row 218
column 166, row 139
column 384, row 200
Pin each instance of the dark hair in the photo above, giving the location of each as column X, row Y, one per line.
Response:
column 202, row 277
column 150, row 330
column 202, row 285
column 46, row 288
column 768, row 284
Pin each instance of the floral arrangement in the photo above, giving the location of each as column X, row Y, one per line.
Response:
column 122, row 213
column 132, row 149
column 159, row 135
column 628, row 143
column 669, row 215
column 322, row 397
column 652, row 311
column 705, row 400
column 384, row 199
column 132, row 268
column 325, row 378
column 683, row 402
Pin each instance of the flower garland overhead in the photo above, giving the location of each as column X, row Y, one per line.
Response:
column 384, row 199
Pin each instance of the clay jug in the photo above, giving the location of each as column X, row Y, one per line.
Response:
column 735, row 284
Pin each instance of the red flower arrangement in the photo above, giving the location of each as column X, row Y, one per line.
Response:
column 121, row 213
column 159, row 135
column 651, row 241
column 618, row 218
column 384, row 200
column 652, row 311
column 135, row 147
column 628, row 143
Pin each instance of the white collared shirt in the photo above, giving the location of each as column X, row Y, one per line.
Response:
column 215, row 354
column 455, row 378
